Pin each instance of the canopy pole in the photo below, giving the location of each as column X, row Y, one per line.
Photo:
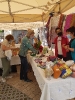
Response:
column 43, row 20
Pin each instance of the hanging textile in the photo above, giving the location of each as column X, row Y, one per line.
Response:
column 55, row 21
column 61, row 20
column 48, row 33
column 68, row 22
column 47, row 25
column 64, row 25
column 54, row 24
column 53, row 33
column 73, row 20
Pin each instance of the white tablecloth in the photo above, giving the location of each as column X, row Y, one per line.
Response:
column 54, row 89
column 14, row 61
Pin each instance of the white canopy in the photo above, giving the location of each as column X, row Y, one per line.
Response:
column 18, row 11
column 70, row 11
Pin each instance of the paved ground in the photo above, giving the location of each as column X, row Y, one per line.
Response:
column 29, row 88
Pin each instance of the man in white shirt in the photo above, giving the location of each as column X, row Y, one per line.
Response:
column 60, row 41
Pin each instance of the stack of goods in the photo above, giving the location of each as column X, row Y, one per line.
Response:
column 60, row 68
column 52, row 58
column 64, row 70
column 56, row 67
column 39, row 60
column 42, row 59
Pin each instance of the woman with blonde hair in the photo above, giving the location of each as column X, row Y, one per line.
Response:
column 25, row 46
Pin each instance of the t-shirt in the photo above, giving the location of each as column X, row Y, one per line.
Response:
column 59, row 46
column 69, row 57
column 6, row 43
column 25, row 46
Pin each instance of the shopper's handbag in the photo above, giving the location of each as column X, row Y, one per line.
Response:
column 8, row 54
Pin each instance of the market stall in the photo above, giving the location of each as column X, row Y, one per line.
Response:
column 58, row 20
column 52, row 89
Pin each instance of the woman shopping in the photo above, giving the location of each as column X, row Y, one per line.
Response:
column 25, row 46
column 5, row 45
column 71, row 47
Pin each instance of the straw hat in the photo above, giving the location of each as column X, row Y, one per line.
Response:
column 29, row 32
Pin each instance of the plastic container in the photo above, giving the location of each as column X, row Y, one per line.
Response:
column 48, row 71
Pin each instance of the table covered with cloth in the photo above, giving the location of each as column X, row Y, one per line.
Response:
column 53, row 89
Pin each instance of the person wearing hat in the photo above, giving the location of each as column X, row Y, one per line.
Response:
column 25, row 46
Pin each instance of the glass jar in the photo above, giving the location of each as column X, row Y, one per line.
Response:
column 48, row 71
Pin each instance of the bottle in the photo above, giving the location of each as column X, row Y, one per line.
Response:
column 48, row 71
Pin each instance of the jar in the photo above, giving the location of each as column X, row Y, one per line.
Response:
column 48, row 71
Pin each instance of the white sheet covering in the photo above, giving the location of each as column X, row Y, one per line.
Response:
column 15, row 60
column 54, row 89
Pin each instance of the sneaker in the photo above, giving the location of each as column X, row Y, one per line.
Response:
column 9, row 76
column 3, row 80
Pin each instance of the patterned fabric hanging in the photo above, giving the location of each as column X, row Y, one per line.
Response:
column 48, row 33
column 73, row 20
column 55, row 21
column 47, row 25
column 54, row 24
column 61, row 20
column 53, row 34
column 68, row 22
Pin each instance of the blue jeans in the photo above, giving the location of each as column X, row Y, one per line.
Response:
column 24, row 68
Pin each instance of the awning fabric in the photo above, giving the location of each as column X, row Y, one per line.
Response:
column 19, row 11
